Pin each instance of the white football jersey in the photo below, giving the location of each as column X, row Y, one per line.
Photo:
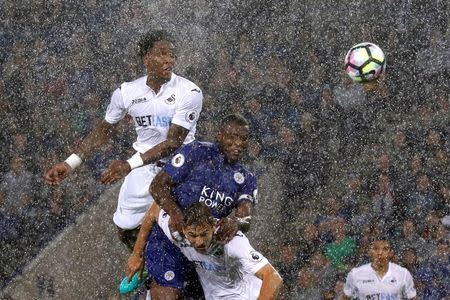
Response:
column 228, row 272
column 179, row 101
column 364, row 283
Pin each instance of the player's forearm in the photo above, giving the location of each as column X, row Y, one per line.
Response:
column 271, row 283
column 160, row 191
column 98, row 137
column 166, row 202
column 175, row 138
column 146, row 227
column 160, row 151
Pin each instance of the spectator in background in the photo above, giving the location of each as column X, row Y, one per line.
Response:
column 308, row 285
column 17, row 187
column 409, row 238
column 328, row 274
column 409, row 260
column 342, row 251
column 434, row 273
column 384, row 202
column 310, row 241
column 355, row 196
column 422, row 199
column 289, row 264
column 331, row 215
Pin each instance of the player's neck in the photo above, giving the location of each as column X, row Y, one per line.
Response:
column 381, row 269
column 155, row 83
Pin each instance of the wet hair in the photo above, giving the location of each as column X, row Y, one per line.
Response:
column 198, row 214
column 234, row 119
column 148, row 40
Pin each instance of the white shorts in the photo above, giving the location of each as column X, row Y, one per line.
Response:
column 134, row 197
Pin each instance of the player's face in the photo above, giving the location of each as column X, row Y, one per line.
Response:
column 381, row 253
column 200, row 237
column 160, row 60
column 233, row 141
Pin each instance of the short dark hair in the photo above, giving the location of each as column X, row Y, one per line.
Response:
column 237, row 119
column 149, row 39
column 381, row 237
column 198, row 214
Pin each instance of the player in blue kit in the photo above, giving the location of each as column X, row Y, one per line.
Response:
column 198, row 172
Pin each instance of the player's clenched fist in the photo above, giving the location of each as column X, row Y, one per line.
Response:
column 116, row 171
column 58, row 173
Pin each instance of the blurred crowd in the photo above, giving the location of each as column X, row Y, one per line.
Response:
column 356, row 159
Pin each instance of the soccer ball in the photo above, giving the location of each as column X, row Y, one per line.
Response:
column 364, row 62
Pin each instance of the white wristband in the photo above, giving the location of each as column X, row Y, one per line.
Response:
column 73, row 161
column 135, row 161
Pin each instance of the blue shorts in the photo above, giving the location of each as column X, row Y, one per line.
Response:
column 165, row 262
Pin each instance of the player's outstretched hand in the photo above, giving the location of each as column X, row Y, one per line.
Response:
column 58, row 173
column 226, row 230
column 176, row 225
column 116, row 171
column 135, row 264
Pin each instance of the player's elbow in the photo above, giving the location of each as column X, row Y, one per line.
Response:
column 270, row 275
column 160, row 186
column 155, row 187
column 173, row 144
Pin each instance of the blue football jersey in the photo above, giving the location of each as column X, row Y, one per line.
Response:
column 202, row 174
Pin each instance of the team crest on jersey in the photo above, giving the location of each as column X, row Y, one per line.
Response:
column 171, row 99
column 178, row 160
column 191, row 116
column 256, row 256
column 169, row 275
column 239, row 177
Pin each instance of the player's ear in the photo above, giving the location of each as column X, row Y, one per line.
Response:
column 219, row 136
column 146, row 58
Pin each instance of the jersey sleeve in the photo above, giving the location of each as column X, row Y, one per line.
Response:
column 409, row 291
column 181, row 163
column 188, row 110
column 249, row 190
column 116, row 109
column 349, row 287
column 251, row 261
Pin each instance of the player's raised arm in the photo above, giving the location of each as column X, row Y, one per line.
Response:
column 271, row 282
column 160, row 190
column 99, row 136
column 136, row 259
column 120, row 168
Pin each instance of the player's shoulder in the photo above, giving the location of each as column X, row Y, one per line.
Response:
column 240, row 247
column 197, row 149
column 397, row 268
column 137, row 86
column 238, row 243
column 364, row 269
column 184, row 83
column 198, row 146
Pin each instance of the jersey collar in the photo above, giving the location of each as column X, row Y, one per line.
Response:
column 165, row 85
